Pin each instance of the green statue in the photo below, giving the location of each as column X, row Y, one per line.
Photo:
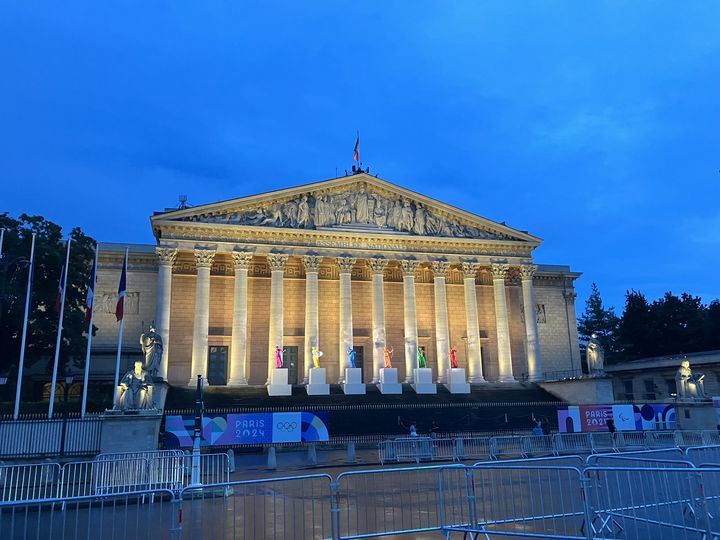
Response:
column 421, row 358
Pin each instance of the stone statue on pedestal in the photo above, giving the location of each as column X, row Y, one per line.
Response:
column 689, row 385
column 595, row 356
column 152, row 347
column 136, row 389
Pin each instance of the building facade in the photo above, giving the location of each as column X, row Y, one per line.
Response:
column 350, row 263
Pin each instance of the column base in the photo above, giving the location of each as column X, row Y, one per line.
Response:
column 237, row 382
column 478, row 380
column 536, row 378
column 192, row 383
column 507, row 379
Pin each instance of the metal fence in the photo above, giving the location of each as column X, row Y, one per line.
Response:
column 43, row 437
column 549, row 497
column 126, row 473
column 417, row 449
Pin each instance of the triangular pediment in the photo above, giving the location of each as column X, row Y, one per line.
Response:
column 357, row 203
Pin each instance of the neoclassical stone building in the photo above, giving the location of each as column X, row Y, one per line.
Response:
column 353, row 262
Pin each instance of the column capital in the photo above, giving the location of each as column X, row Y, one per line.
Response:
column 377, row 265
column 312, row 263
column 499, row 270
column 166, row 256
column 277, row 261
column 470, row 269
column 409, row 266
column 204, row 258
column 527, row 271
column 440, row 268
column 242, row 259
column 345, row 264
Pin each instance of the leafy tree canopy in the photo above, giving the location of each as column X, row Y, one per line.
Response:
column 50, row 252
column 599, row 320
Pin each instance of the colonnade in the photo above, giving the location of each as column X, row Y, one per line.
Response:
column 277, row 261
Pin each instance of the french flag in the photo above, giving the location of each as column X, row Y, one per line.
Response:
column 90, row 297
column 356, row 156
column 58, row 300
column 119, row 309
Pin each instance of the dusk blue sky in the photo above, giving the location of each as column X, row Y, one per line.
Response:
column 593, row 125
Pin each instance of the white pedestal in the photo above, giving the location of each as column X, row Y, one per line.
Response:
column 279, row 383
column 423, row 381
column 318, row 382
column 389, row 381
column 457, row 384
column 353, row 382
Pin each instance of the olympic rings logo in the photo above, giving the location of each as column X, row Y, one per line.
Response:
column 286, row 426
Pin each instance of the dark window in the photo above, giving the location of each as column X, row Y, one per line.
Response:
column 290, row 361
column 628, row 390
column 649, row 389
column 217, row 365
column 671, row 387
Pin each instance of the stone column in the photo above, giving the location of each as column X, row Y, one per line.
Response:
column 475, row 373
column 499, row 270
column 238, row 345
column 277, row 262
column 534, row 366
column 442, row 331
column 571, row 317
column 203, row 263
column 346, row 324
column 312, row 265
column 411, row 334
column 166, row 259
column 377, row 266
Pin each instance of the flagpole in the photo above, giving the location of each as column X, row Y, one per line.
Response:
column 24, row 332
column 120, row 336
column 93, row 280
column 59, row 332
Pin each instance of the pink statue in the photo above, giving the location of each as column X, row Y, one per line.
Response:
column 387, row 354
column 453, row 357
column 279, row 357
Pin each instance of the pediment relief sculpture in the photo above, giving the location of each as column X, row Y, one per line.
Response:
column 352, row 208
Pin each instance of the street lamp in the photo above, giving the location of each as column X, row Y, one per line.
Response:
column 68, row 381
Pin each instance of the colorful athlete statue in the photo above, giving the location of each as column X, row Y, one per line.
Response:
column 453, row 358
column 279, row 356
column 351, row 356
column 421, row 358
column 387, row 355
column 316, row 354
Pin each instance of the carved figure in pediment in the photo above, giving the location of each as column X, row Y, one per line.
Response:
column 343, row 213
column 361, row 207
column 406, row 217
column 380, row 212
column 420, row 220
column 395, row 214
column 303, row 215
column 291, row 212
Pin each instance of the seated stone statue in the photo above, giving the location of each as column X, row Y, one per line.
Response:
column 689, row 385
column 136, row 389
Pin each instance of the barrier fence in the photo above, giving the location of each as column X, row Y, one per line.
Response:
column 549, row 497
column 43, row 437
column 108, row 475
column 417, row 449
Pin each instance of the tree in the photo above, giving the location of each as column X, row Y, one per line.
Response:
column 596, row 319
column 636, row 331
column 679, row 324
column 42, row 320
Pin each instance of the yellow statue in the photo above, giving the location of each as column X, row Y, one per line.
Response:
column 387, row 354
column 316, row 354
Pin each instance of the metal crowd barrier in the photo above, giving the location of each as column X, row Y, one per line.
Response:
column 42, row 437
column 29, row 482
column 417, row 449
column 295, row 508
